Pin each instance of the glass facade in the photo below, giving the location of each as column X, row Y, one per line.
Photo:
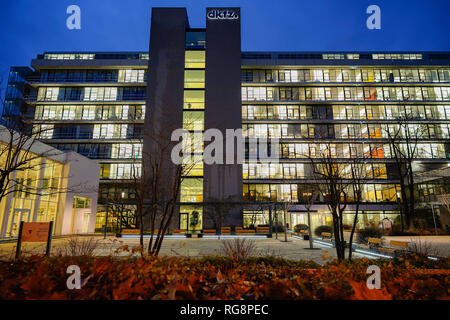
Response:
column 352, row 110
column 27, row 204
column 96, row 111
column 191, row 216
column 349, row 102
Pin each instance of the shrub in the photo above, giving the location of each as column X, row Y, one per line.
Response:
column 279, row 228
column 396, row 230
column 238, row 248
column 364, row 234
column 77, row 246
column 220, row 278
column 318, row 231
column 348, row 227
column 299, row 227
column 422, row 248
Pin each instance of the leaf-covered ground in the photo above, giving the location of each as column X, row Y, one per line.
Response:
column 221, row 278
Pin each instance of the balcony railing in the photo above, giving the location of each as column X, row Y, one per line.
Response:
column 316, row 116
column 88, row 135
column 82, row 80
column 35, row 98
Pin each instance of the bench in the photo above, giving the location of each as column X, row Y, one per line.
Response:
column 395, row 247
column 178, row 232
column 225, row 230
column 325, row 235
column 374, row 243
column 130, row 231
column 209, row 231
column 264, row 230
column 240, row 230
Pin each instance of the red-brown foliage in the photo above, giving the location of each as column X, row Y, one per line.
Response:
column 218, row 278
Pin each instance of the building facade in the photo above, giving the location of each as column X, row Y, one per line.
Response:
column 50, row 186
column 346, row 102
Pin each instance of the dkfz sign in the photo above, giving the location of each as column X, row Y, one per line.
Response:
column 222, row 14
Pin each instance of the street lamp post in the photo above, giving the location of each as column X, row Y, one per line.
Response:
column 106, row 221
column 121, row 213
column 401, row 211
column 434, row 219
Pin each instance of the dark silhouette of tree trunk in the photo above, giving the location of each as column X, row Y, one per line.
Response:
column 403, row 141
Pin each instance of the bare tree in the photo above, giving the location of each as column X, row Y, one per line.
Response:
column 286, row 204
column 255, row 210
column 403, row 140
column 20, row 153
column 333, row 186
column 358, row 175
column 159, row 185
column 115, row 202
column 444, row 199
column 216, row 210
column 309, row 202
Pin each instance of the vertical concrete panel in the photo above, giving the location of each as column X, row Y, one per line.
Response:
column 164, row 105
column 223, row 101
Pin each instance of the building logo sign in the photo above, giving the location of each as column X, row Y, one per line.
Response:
column 222, row 14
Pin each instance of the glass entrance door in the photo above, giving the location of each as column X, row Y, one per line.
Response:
column 86, row 217
column 17, row 216
column 184, row 221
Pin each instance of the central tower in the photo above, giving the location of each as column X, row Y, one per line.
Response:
column 194, row 83
column 223, row 182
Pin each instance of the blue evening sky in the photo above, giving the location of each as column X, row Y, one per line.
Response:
column 29, row 27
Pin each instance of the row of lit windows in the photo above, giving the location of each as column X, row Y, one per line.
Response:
column 90, row 112
column 353, row 150
column 397, row 56
column 81, row 56
column 343, row 112
column 345, row 93
column 116, row 191
column 346, row 75
column 104, row 150
column 344, row 131
column 302, row 171
column 121, row 76
column 91, row 94
column 96, row 131
column 118, row 171
column 427, row 192
column 375, row 56
column 290, row 192
column 69, row 56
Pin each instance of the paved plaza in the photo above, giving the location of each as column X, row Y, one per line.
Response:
column 294, row 249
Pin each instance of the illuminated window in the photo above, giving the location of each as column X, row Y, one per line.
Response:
column 194, row 99
column 194, row 79
column 195, row 59
column 193, row 120
column 130, row 75
column 191, row 190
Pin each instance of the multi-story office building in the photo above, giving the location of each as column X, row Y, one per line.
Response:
column 90, row 103
column 94, row 103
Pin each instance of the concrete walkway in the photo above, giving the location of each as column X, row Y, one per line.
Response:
column 294, row 249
